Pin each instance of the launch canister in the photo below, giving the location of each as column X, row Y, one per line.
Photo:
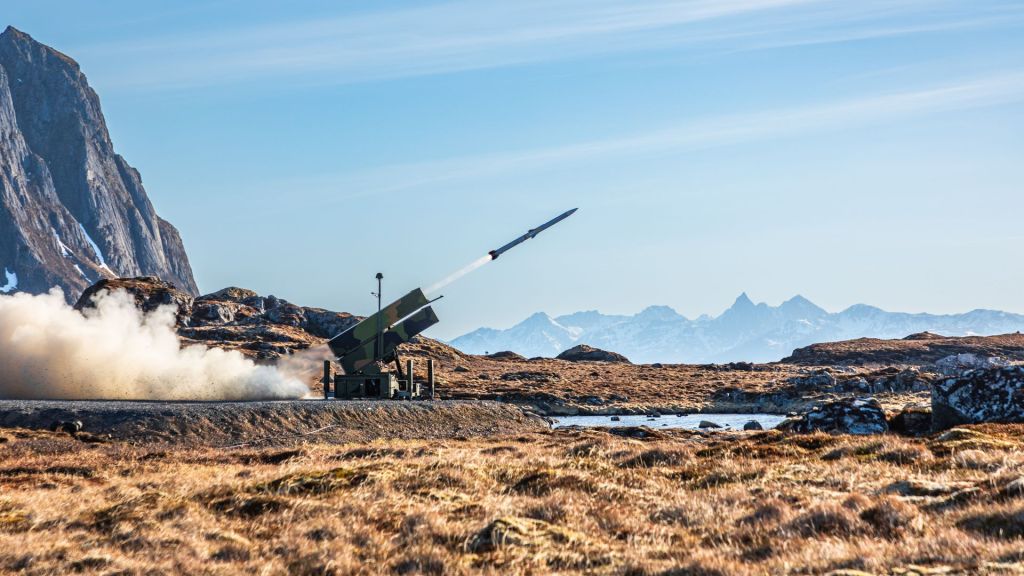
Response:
column 530, row 234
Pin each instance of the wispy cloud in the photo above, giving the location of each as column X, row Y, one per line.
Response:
column 698, row 134
column 466, row 35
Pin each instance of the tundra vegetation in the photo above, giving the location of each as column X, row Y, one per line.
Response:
column 564, row 501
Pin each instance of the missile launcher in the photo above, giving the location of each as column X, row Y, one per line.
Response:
column 363, row 350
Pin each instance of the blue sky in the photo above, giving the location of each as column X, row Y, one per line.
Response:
column 851, row 152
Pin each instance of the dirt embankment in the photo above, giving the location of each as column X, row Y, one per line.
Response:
column 268, row 423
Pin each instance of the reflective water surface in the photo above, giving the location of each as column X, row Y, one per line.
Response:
column 692, row 421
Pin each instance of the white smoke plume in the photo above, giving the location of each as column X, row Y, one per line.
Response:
column 307, row 366
column 49, row 350
column 458, row 274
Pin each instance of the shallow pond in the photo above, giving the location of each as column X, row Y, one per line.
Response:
column 691, row 421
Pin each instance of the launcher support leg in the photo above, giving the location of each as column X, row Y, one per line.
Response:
column 327, row 379
column 430, row 378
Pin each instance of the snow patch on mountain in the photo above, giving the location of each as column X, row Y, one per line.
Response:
column 12, row 281
column 95, row 247
column 60, row 243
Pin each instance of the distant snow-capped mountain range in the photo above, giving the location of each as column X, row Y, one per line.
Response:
column 744, row 332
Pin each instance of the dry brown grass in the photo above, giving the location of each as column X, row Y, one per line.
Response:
column 558, row 502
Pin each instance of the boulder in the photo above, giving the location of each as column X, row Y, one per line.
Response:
column 71, row 427
column 912, row 421
column 637, row 432
column 992, row 395
column 956, row 364
column 861, row 416
column 512, row 532
column 584, row 353
column 753, row 425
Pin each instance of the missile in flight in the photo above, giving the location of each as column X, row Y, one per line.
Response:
column 530, row 234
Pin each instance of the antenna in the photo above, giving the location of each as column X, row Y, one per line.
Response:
column 380, row 321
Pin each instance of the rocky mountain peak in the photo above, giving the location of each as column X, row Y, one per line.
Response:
column 742, row 301
column 11, row 34
column 798, row 300
column 861, row 310
column 72, row 211
column 798, row 305
column 659, row 313
column 30, row 48
column 538, row 320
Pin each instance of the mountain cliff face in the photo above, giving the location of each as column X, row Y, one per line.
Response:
column 72, row 211
column 744, row 332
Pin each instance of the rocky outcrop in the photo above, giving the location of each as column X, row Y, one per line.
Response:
column 262, row 327
column 584, row 353
column 72, row 211
column 917, row 351
column 507, row 355
column 149, row 293
column 848, row 416
column 889, row 379
column 817, row 381
column 993, row 395
column 924, row 336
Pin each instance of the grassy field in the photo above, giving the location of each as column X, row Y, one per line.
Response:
column 548, row 502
